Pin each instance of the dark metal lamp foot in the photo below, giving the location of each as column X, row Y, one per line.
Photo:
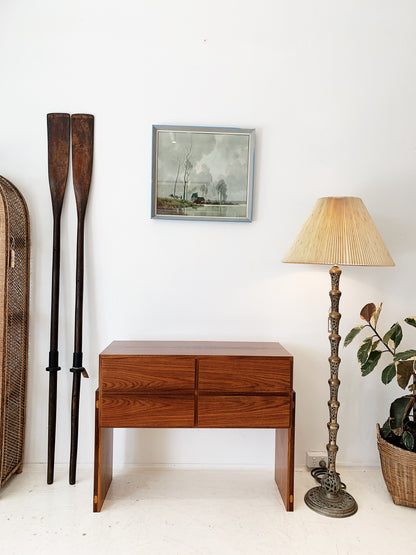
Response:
column 331, row 498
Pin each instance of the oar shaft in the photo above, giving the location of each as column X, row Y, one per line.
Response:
column 76, row 383
column 77, row 368
column 56, row 264
column 79, row 289
column 53, row 381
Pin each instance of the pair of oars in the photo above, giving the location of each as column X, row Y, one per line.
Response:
column 59, row 136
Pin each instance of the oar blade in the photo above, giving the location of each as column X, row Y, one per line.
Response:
column 58, row 156
column 82, row 156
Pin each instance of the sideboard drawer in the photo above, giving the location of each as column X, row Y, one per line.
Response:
column 147, row 411
column 244, row 375
column 147, row 374
column 244, row 411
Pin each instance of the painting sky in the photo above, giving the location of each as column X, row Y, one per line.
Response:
column 214, row 157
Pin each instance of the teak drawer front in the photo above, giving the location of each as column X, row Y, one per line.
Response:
column 146, row 374
column 147, row 411
column 244, row 411
column 245, row 375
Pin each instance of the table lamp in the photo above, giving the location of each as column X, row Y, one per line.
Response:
column 339, row 230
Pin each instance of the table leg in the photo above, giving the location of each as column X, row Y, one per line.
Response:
column 103, row 460
column 284, row 460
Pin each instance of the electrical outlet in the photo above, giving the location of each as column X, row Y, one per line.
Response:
column 316, row 458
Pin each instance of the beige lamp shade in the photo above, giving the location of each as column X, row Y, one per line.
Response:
column 339, row 231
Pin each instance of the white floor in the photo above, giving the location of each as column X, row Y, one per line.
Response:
column 194, row 511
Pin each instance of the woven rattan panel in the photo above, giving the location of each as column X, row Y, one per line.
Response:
column 14, row 304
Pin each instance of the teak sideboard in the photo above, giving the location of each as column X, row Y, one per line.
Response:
column 195, row 384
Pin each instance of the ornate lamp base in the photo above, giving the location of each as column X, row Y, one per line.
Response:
column 337, row 505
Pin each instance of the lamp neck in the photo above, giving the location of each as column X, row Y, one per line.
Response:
column 334, row 361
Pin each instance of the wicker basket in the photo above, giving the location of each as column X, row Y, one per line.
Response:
column 399, row 471
column 14, row 301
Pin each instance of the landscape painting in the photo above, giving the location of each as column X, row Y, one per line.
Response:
column 202, row 173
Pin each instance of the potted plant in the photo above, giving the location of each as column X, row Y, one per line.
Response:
column 396, row 439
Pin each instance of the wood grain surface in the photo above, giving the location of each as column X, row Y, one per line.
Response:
column 146, row 374
column 243, row 411
column 103, row 460
column 195, row 348
column 245, row 374
column 147, row 411
column 284, row 474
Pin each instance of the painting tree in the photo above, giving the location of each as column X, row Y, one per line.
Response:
column 187, row 167
column 221, row 190
column 176, row 180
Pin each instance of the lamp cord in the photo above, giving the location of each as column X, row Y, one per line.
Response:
column 319, row 471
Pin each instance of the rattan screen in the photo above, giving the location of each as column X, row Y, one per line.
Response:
column 14, row 305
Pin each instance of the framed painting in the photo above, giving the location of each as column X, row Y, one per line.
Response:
column 202, row 173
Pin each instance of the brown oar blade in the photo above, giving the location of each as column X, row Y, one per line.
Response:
column 58, row 126
column 58, row 156
column 82, row 155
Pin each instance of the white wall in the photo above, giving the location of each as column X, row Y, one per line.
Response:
column 330, row 88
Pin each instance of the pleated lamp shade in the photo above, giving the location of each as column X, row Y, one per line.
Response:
column 339, row 231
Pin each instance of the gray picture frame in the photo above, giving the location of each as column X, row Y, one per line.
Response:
column 202, row 173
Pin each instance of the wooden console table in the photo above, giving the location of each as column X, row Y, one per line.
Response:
column 178, row 384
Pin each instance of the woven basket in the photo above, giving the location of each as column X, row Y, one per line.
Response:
column 399, row 471
column 14, row 303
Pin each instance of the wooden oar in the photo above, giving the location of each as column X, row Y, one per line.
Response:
column 58, row 162
column 82, row 154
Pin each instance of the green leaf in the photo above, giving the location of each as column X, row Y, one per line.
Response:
column 405, row 355
column 387, row 335
column 352, row 334
column 385, row 430
column 374, row 318
column 408, row 440
column 399, row 411
column 371, row 363
column 394, row 336
column 397, row 336
column 368, row 311
column 364, row 350
column 411, row 320
column 375, row 345
column 388, row 373
column 404, row 372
